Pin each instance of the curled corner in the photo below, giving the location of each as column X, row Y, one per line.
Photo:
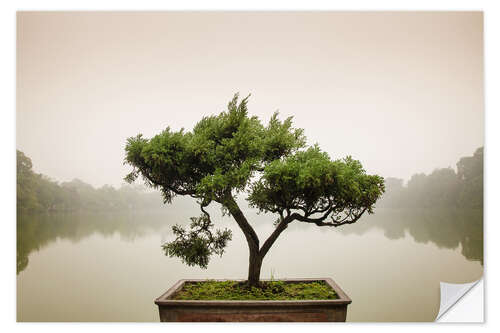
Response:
column 451, row 293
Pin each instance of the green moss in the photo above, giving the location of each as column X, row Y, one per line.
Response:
column 269, row 290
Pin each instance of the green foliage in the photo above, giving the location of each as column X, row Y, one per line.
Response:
column 196, row 246
column 310, row 181
column 269, row 290
column 221, row 154
column 232, row 152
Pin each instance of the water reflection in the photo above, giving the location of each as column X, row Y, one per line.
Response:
column 446, row 228
column 113, row 263
column 40, row 230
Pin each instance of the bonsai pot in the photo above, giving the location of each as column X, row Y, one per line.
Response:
column 253, row 310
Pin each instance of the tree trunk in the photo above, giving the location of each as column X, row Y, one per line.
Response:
column 255, row 259
column 255, row 264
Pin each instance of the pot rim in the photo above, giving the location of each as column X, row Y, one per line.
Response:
column 164, row 300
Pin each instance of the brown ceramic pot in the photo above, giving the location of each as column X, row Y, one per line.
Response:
column 253, row 311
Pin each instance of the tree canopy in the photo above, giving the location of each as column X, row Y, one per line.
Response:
column 233, row 153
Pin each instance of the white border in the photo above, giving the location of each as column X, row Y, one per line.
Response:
column 492, row 81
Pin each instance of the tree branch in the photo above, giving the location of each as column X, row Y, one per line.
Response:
column 306, row 217
column 248, row 231
column 319, row 221
column 145, row 174
column 272, row 238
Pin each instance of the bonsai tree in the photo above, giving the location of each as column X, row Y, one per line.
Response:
column 232, row 154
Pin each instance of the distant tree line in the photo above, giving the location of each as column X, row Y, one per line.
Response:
column 443, row 188
column 37, row 192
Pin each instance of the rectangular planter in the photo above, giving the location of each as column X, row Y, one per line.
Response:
column 253, row 311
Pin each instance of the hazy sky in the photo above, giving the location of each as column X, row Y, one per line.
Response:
column 400, row 91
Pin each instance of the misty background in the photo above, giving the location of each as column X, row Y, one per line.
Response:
column 400, row 91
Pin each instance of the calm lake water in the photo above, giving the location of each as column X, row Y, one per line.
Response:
column 110, row 266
